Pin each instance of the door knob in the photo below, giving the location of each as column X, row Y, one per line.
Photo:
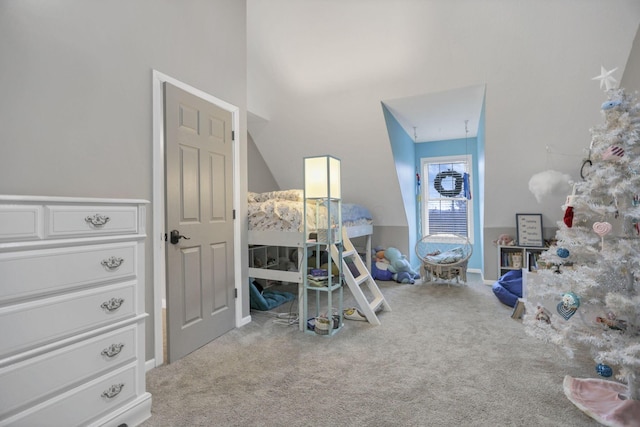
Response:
column 175, row 237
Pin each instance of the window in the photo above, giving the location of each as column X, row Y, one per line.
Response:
column 445, row 209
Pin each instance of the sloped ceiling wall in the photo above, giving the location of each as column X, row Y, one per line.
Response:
column 318, row 69
column 631, row 77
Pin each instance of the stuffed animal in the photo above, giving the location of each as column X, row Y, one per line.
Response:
column 377, row 254
column 404, row 277
column 400, row 266
column 380, row 270
column 504, row 240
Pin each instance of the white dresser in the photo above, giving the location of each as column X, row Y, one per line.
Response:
column 72, row 312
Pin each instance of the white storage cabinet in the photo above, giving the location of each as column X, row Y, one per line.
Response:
column 72, row 312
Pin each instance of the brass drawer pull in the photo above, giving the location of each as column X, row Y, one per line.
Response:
column 112, row 305
column 113, row 391
column 112, row 263
column 97, row 220
column 112, row 351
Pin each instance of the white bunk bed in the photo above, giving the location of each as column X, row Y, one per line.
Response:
column 275, row 219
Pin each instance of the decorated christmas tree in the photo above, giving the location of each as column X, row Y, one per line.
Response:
column 588, row 301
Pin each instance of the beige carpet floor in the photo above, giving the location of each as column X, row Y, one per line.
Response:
column 445, row 356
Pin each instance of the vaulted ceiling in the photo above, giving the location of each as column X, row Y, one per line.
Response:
column 319, row 71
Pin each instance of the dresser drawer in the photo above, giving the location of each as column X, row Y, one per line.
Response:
column 28, row 382
column 50, row 319
column 88, row 220
column 21, row 222
column 82, row 404
column 43, row 271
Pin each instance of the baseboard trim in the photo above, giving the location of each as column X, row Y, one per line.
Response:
column 244, row 321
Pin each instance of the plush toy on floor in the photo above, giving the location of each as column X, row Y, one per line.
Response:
column 399, row 266
column 380, row 270
column 379, row 255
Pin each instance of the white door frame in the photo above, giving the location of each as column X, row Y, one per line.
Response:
column 159, row 245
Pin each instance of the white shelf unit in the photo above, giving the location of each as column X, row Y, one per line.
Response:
column 322, row 199
column 272, row 258
column 517, row 258
column 326, row 304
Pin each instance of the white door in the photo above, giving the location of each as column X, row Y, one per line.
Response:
column 199, row 209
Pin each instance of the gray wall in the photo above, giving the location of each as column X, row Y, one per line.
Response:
column 631, row 82
column 76, row 80
column 631, row 77
column 259, row 176
column 388, row 236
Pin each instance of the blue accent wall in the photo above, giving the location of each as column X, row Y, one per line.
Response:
column 478, row 248
column 407, row 156
column 404, row 156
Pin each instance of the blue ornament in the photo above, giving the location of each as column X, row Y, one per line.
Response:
column 570, row 299
column 610, row 104
column 569, row 305
column 604, row 370
column 562, row 252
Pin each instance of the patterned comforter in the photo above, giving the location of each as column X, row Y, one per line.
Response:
column 284, row 210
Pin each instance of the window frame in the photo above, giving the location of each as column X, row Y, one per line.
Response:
column 424, row 192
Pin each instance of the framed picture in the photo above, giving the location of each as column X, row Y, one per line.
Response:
column 529, row 230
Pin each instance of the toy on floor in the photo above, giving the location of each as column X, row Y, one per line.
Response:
column 379, row 255
column 380, row 270
column 390, row 264
column 399, row 266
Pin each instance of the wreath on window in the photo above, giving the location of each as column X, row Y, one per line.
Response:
column 458, row 182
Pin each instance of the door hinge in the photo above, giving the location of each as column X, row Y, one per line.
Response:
column 234, row 214
column 235, row 292
column 233, row 135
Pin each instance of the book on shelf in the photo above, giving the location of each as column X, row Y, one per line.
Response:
column 512, row 259
column 516, row 260
column 321, row 281
column 317, row 282
column 533, row 261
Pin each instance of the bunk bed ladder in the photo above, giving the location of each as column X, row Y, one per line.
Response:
column 356, row 284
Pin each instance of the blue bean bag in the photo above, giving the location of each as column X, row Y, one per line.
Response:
column 508, row 288
column 266, row 300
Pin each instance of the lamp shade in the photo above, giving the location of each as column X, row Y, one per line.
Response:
column 322, row 177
